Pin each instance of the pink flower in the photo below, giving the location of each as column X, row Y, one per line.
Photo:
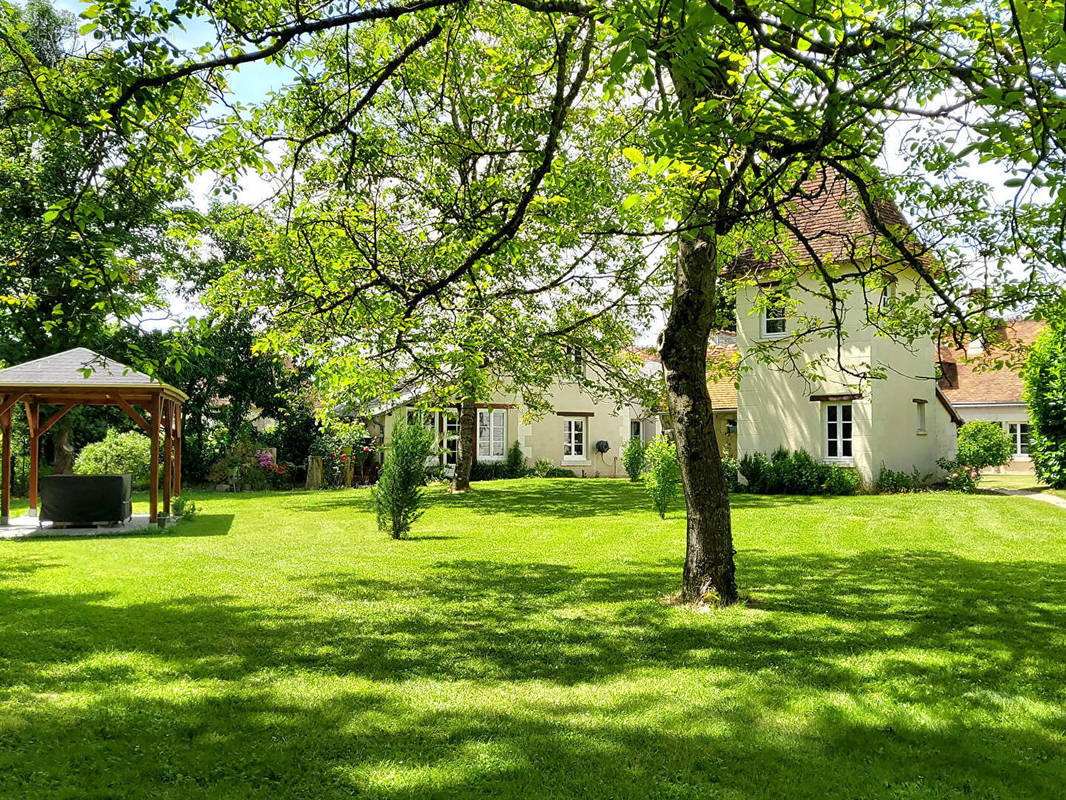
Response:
column 954, row 475
column 974, row 474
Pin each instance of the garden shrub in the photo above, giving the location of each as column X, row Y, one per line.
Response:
column 183, row 508
column 515, row 464
column 543, row 468
column 662, row 475
column 798, row 472
column 118, row 453
column 890, row 481
column 239, row 467
column 983, row 444
column 841, row 480
column 731, row 474
column 1045, row 392
column 398, row 494
column 752, row 466
column 489, row 471
column 633, row 459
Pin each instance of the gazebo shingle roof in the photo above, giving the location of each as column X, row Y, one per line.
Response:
column 79, row 367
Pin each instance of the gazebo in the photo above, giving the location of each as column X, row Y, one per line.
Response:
column 80, row 377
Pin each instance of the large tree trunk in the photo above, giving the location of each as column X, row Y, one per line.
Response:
column 709, row 566
column 464, row 460
column 62, row 449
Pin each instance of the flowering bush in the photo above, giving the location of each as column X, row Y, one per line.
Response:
column 960, row 477
column 347, row 461
column 278, row 473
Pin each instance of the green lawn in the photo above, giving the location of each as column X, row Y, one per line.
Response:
column 279, row 646
column 1011, row 481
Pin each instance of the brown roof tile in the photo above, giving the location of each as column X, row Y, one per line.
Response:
column 829, row 213
column 976, row 378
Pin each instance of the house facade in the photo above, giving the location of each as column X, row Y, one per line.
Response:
column 582, row 433
column 861, row 399
column 901, row 420
column 979, row 392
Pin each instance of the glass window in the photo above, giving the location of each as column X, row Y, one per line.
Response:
column 838, row 431
column 577, row 359
column 635, row 429
column 921, row 417
column 1019, row 432
column 574, row 439
column 491, row 431
column 451, row 438
column 773, row 318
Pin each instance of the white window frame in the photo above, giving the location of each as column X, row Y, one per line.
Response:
column 765, row 318
column 576, row 357
column 1014, row 430
column 640, row 429
column 487, row 449
column 837, row 437
column 449, row 434
column 571, row 425
column 922, row 421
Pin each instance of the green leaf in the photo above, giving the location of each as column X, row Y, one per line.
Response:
column 633, row 154
column 631, row 201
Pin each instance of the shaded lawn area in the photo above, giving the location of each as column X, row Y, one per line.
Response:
column 280, row 646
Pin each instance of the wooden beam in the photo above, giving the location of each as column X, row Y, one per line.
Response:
column 177, row 449
column 168, row 454
column 153, row 464
column 33, row 417
column 8, row 403
column 843, row 397
column 131, row 412
column 5, row 480
column 52, row 420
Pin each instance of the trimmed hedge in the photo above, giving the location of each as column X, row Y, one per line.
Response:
column 787, row 472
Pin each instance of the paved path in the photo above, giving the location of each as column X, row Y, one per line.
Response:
column 1047, row 498
column 31, row 528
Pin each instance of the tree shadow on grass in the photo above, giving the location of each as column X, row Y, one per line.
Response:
column 577, row 498
column 880, row 674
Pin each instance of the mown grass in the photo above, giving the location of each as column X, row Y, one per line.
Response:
column 1029, row 483
column 518, row 646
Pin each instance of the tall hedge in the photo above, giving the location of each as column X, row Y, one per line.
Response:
column 1045, row 392
column 116, row 454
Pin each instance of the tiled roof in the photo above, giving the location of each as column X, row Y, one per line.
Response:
column 829, row 213
column 972, row 379
column 722, row 357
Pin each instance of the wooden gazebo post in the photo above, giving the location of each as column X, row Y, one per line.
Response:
column 33, row 418
column 154, row 420
column 168, row 454
column 5, row 482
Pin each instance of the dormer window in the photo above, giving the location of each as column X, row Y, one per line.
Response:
column 773, row 318
column 888, row 296
column 577, row 360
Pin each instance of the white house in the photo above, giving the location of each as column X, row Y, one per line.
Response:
column 583, row 433
column 980, row 393
column 805, row 400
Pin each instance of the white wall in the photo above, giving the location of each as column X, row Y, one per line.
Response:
column 542, row 437
column 775, row 409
